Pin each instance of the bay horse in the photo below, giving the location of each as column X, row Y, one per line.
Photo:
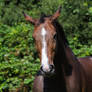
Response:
column 60, row 70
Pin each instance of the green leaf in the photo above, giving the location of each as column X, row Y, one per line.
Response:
column 27, row 81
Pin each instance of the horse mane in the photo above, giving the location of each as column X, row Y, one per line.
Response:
column 42, row 18
column 60, row 31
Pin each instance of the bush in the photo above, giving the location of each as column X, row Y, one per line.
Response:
column 18, row 64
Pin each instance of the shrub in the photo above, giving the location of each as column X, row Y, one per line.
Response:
column 18, row 64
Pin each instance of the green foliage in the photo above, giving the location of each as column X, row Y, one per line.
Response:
column 11, row 10
column 79, row 49
column 18, row 57
column 18, row 64
column 48, row 7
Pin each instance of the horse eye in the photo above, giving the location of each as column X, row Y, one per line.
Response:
column 55, row 36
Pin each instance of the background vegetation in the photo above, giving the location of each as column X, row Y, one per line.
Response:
column 18, row 58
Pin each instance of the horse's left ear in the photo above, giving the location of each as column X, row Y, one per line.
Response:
column 56, row 14
column 30, row 19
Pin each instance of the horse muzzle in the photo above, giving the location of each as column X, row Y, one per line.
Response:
column 47, row 71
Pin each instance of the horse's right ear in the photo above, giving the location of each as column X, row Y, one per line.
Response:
column 30, row 19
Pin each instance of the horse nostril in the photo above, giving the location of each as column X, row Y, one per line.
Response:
column 41, row 68
column 51, row 68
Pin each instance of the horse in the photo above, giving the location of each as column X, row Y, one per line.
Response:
column 60, row 70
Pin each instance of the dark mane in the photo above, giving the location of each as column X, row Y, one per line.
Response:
column 43, row 16
column 60, row 31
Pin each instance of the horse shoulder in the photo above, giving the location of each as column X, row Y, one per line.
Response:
column 76, row 80
column 86, row 63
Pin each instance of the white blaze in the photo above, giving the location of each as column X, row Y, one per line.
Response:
column 44, row 57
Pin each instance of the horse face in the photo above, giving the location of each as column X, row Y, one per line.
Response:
column 45, row 41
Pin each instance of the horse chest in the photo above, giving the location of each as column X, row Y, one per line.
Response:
column 52, row 85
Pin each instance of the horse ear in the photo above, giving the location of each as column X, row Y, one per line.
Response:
column 30, row 19
column 56, row 14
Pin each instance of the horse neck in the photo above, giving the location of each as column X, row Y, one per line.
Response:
column 70, row 55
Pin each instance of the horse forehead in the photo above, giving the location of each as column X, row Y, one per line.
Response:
column 45, row 29
column 47, row 32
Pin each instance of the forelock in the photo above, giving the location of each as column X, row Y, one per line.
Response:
column 42, row 18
